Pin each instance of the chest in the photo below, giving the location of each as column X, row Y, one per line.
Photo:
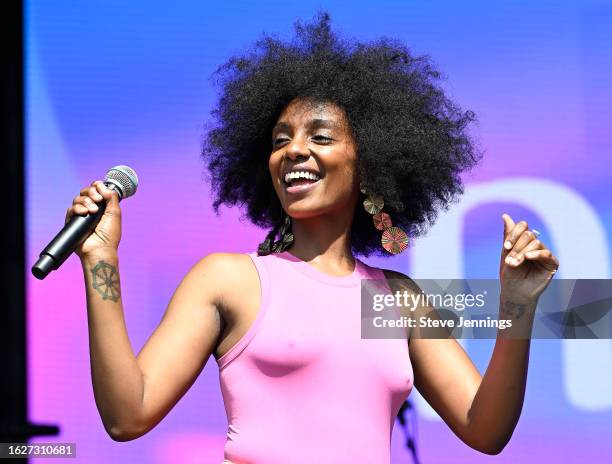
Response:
column 309, row 335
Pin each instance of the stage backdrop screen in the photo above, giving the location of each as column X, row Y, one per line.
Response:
column 115, row 82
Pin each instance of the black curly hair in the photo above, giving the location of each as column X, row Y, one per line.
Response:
column 412, row 140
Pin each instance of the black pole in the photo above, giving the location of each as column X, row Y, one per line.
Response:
column 408, row 420
column 14, row 425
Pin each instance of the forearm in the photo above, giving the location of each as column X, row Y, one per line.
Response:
column 497, row 405
column 118, row 382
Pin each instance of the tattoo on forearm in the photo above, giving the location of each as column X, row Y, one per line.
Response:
column 105, row 280
column 512, row 309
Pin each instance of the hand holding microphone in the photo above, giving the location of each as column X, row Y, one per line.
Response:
column 92, row 223
column 107, row 232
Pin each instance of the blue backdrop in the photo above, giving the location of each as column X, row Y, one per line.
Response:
column 127, row 83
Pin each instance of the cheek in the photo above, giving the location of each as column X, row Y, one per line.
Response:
column 274, row 165
column 272, row 162
column 348, row 167
column 342, row 178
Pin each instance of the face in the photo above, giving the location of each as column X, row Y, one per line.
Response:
column 314, row 138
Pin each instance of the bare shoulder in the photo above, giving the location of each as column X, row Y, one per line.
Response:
column 237, row 294
column 400, row 281
column 234, row 284
column 227, row 272
column 219, row 262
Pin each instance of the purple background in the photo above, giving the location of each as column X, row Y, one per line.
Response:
column 127, row 83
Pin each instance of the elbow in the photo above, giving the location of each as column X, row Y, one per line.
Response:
column 489, row 438
column 122, row 433
column 490, row 450
column 491, row 447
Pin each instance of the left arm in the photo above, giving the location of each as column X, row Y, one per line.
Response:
column 484, row 410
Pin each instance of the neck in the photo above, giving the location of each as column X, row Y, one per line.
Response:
column 324, row 240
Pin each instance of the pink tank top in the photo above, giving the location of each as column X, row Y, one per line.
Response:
column 302, row 386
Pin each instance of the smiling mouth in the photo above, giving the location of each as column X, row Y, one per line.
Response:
column 293, row 176
column 300, row 181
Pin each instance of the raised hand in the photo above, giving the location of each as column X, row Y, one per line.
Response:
column 526, row 265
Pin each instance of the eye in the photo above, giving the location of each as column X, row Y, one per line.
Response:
column 322, row 139
column 279, row 140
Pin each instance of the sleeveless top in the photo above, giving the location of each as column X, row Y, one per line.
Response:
column 302, row 386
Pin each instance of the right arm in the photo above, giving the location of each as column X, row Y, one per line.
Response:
column 133, row 393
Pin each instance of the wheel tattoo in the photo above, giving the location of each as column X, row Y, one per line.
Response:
column 106, row 280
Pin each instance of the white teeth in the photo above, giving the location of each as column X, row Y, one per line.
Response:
column 300, row 175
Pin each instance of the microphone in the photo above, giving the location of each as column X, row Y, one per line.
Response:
column 121, row 179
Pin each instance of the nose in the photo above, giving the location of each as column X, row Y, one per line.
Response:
column 296, row 148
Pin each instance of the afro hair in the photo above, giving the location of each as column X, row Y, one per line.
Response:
column 412, row 141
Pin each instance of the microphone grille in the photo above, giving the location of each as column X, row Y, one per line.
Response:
column 124, row 179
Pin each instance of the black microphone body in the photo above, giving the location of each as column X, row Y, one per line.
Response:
column 75, row 232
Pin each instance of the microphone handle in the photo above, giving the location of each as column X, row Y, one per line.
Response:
column 67, row 240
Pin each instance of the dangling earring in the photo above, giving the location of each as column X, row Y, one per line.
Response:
column 393, row 239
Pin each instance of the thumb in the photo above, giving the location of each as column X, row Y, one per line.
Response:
column 112, row 204
column 111, row 197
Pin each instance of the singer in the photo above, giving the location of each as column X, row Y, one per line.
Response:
column 341, row 149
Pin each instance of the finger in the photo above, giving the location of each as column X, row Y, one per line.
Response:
column 540, row 254
column 86, row 203
column 522, row 241
column 87, row 189
column 508, row 225
column 103, row 190
column 514, row 234
column 94, row 194
column 81, row 209
column 517, row 257
column 78, row 209
column 90, row 204
column 545, row 257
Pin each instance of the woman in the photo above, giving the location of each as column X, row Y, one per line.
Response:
column 308, row 132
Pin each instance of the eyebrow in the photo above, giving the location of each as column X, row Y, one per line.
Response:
column 312, row 124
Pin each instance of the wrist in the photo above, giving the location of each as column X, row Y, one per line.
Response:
column 517, row 298
column 102, row 254
column 508, row 293
column 519, row 312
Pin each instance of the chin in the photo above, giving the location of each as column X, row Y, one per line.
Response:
column 305, row 210
column 299, row 212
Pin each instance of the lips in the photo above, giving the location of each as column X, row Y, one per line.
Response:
column 301, row 186
column 300, row 183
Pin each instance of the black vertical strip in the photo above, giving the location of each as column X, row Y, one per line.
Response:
column 13, row 387
column 14, row 424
